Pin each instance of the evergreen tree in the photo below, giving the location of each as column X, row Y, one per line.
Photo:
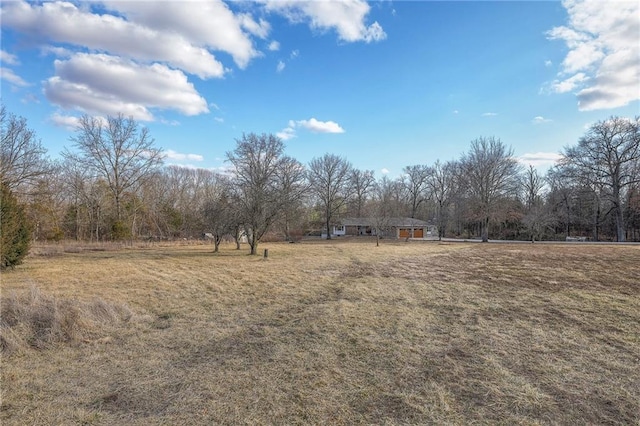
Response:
column 14, row 230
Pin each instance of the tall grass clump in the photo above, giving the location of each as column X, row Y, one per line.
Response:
column 34, row 319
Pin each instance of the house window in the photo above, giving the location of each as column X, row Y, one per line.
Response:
column 339, row 228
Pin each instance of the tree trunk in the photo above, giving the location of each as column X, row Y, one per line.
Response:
column 287, row 231
column 328, row 229
column 596, row 225
column 619, row 214
column 485, row 230
column 237, row 237
column 620, row 224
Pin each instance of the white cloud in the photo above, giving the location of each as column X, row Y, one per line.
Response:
column 548, row 63
column 455, row 111
column 177, row 156
column 11, row 77
column 107, row 85
column 539, row 120
column 346, row 17
column 317, row 126
column 312, row 125
column 287, row 133
column 273, row 46
column 489, row 114
column 259, row 29
column 385, row 171
column 8, row 58
column 569, row 84
column 603, row 60
column 280, row 67
column 539, row 159
column 65, row 23
column 66, row 121
column 219, row 119
column 208, row 24
column 60, row 52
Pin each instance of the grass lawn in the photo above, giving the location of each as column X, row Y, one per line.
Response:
column 338, row 332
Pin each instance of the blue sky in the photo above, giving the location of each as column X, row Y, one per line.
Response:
column 385, row 84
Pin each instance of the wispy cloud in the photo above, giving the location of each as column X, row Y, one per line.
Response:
column 489, row 114
column 273, row 46
column 384, row 171
column 569, row 84
column 280, row 67
column 177, row 156
column 540, row 120
column 65, row 121
column 539, row 159
column 8, row 58
column 13, row 78
column 287, row 133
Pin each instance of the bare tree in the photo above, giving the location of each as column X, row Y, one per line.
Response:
column 218, row 211
column 329, row 180
column 362, row 183
column 118, row 151
column 258, row 163
column 532, row 184
column 382, row 207
column 607, row 156
column 22, row 157
column 415, row 180
column 489, row 173
column 292, row 181
column 441, row 182
column 538, row 217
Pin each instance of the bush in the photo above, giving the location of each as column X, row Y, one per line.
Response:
column 120, row 231
column 14, row 230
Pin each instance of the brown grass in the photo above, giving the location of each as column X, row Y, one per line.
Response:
column 336, row 333
column 37, row 320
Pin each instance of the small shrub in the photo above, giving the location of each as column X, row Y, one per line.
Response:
column 120, row 231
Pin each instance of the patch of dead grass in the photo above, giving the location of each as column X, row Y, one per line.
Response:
column 33, row 319
column 342, row 333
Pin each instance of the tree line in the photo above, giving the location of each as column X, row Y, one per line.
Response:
column 112, row 184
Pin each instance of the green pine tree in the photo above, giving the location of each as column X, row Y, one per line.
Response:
column 15, row 231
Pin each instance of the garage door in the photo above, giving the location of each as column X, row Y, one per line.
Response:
column 406, row 233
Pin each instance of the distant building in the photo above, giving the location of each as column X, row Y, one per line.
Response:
column 397, row 227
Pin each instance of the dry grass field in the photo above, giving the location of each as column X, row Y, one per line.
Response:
column 323, row 333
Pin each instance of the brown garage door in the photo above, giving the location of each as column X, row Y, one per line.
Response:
column 406, row 233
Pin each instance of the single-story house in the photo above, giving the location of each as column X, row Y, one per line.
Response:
column 396, row 227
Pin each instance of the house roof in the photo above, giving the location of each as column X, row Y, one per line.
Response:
column 398, row 222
